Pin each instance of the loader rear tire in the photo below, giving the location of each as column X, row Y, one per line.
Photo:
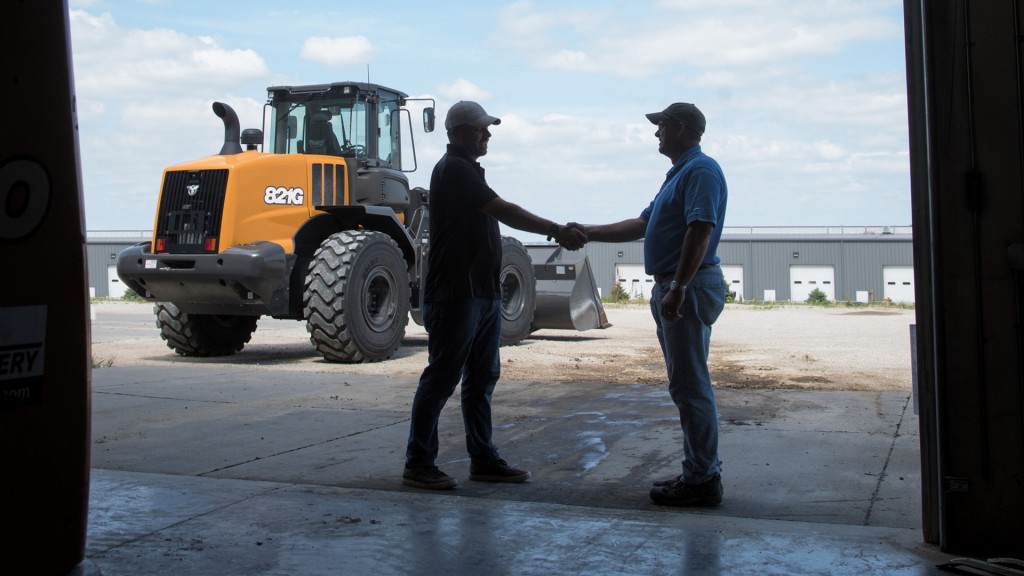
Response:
column 518, row 292
column 356, row 298
column 203, row 335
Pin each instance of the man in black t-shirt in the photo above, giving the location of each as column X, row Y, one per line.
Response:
column 462, row 302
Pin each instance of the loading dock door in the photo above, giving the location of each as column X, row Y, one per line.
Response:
column 634, row 280
column 899, row 283
column 734, row 279
column 115, row 288
column 804, row 279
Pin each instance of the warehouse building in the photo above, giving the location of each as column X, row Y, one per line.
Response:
column 848, row 264
column 102, row 249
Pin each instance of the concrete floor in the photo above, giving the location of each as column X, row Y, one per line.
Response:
column 226, row 470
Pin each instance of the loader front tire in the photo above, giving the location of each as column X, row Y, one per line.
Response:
column 356, row 297
column 518, row 292
column 203, row 334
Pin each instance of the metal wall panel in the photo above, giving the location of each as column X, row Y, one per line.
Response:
column 100, row 253
column 858, row 260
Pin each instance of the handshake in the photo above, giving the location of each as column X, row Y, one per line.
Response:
column 571, row 236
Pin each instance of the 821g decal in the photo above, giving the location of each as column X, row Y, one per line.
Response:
column 281, row 195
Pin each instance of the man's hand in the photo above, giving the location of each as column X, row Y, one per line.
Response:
column 571, row 237
column 672, row 304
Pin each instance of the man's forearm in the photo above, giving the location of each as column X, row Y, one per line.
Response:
column 517, row 217
column 624, row 231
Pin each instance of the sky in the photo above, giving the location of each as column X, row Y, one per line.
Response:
column 805, row 100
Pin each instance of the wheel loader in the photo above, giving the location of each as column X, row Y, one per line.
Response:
column 314, row 220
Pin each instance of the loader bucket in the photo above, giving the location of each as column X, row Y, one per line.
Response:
column 567, row 297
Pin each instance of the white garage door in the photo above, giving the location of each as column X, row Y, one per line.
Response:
column 734, row 278
column 634, row 280
column 899, row 283
column 805, row 279
column 115, row 288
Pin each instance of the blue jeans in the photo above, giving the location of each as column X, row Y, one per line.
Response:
column 685, row 343
column 463, row 341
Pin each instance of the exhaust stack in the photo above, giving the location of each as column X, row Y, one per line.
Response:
column 231, row 129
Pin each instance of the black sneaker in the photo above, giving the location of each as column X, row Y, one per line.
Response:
column 679, row 493
column 497, row 471
column 428, row 477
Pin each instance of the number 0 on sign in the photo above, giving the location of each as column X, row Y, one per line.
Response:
column 24, row 198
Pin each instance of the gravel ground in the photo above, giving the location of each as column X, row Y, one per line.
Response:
column 755, row 347
column 801, row 347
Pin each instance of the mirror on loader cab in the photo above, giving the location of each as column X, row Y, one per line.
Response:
column 428, row 119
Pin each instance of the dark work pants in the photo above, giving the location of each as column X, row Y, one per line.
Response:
column 462, row 344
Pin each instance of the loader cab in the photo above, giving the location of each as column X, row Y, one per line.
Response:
column 351, row 120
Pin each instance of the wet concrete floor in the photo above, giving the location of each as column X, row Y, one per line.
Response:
column 239, row 470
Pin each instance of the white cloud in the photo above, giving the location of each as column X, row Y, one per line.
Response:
column 122, row 64
column 808, row 129
column 568, row 60
column 570, row 167
column 217, row 61
column 144, row 102
column 462, row 89
column 341, row 51
column 192, row 114
column 857, row 108
column 710, row 35
column 829, row 150
column 522, row 28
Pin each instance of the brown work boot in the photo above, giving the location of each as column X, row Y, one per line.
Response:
column 497, row 471
column 679, row 493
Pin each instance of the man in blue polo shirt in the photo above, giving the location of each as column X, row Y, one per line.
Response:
column 681, row 229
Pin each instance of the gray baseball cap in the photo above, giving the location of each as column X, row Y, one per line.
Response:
column 681, row 112
column 471, row 113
